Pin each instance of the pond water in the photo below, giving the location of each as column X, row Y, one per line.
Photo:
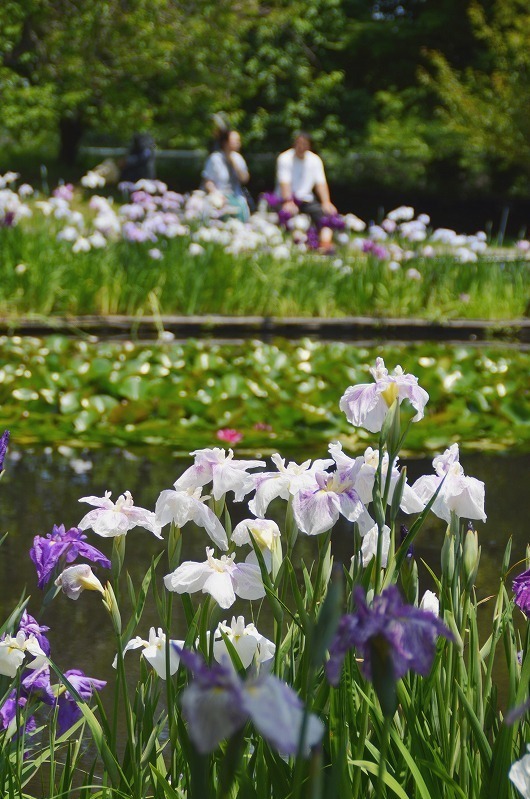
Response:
column 41, row 488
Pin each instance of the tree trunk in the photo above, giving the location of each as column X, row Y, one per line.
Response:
column 70, row 131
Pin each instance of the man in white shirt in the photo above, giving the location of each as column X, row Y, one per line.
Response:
column 300, row 175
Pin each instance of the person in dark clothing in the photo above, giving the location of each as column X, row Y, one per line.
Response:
column 140, row 160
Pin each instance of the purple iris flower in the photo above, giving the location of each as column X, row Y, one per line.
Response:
column 390, row 629
column 36, row 683
column 4, row 441
column 71, row 544
column 85, row 686
column 218, row 703
column 30, row 626
column 521, row 589
column 8, row 712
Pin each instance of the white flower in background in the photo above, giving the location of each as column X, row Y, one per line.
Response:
column 402, row 214
column 220, row 467
column 246, row 640
column 281, row 252
column 182, row 506
column 220, row 577
column 44, row 206
column 68, row 233
column 110, row 519
column 317, row 507
column 97, row 240
column 377, row 233
column 465, row 255
column 430, row 602
column 366, row 404
column 519, row 774
column 266, row 534
column 81, row 245
column 76, row 579
column 353, row 222
column 154, row 651
column 195, row 248
column 149, row 186
column 287, row 481
column 413, row 274
column 369, row 545
column 155, row 254
column 444, row 236
column 459, row 494
column 25, row 190
column 92, row 180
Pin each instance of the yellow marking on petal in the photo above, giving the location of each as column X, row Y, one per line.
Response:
column 390, row 394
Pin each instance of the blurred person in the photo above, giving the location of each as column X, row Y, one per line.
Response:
column 300, row 176
column 225, row 174
column 140, row 160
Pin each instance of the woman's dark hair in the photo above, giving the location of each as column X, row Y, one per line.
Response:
column 303, row 134
column 223, row 137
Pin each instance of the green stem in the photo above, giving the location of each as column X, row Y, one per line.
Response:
column 381, row 771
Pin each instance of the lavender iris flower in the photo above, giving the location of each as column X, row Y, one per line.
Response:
column 30, row 626
column 390, row 628
column 71, row 544
column 4, row 441
column 218, row 703
column 521, row 589
column 85, row 686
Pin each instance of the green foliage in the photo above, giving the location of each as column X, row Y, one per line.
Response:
column 485, row 103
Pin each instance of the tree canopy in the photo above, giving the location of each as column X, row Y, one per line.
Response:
column 426, row 80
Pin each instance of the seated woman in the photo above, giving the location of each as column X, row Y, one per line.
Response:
column 225, row 173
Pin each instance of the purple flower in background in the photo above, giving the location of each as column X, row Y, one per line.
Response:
column 85, row 686
column 30, row 626
column 380, row 252
column 334, row 221
column 390, row 629
column 71, row 544
column 313, row 241
column 218, row 703
column 283, row 217
column 272, row 199
column 521, row 589
column 4, row 441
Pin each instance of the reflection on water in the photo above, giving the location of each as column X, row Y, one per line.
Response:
column 40, row 489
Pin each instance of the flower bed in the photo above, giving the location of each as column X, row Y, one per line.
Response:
column 161, row 252
column 368, row 685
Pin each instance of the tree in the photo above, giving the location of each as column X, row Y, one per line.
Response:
column 486, row 104
column 117, row 65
